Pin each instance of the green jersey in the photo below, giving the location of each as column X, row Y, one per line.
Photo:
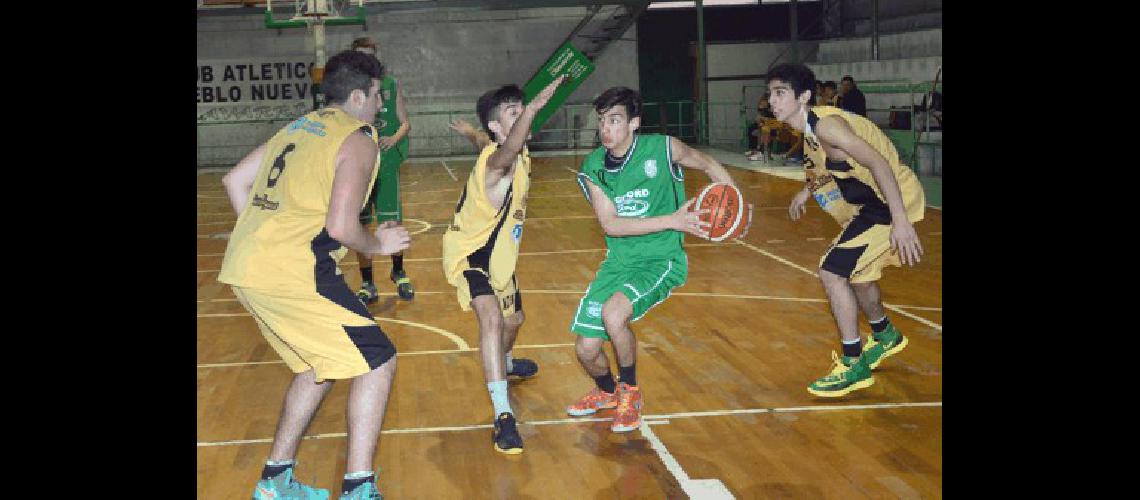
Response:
column 645, row 184
column 387, row 122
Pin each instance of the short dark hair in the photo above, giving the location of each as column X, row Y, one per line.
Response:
column 363, row 42
column 800, row 77
column 625, row 96
column 846, row 78
column 347, row 71
column 830, row 84
column 488, row 105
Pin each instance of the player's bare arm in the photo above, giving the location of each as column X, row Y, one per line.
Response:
column 355, row 162
column 239, row 180
column 694, row 159
column 834, row 131
column 502, row 160
column 405, row 126
column 478, row 138
column 681, row 220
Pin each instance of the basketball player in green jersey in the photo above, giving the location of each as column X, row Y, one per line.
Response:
column 855, row 173
column 384, row 198
column 637, row 189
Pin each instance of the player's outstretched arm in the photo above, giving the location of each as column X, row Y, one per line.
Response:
column 692, row 158
column 681, row 220
column 503, row 158
column 835, row 131
column 239, row 180
column 354, row 165
column 478, row 138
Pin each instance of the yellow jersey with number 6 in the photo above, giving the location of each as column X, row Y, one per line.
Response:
column 280, row 242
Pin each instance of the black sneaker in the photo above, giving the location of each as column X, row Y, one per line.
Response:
column 506, row 435
column 523, row 367
column 368, row 294
column 403, row 284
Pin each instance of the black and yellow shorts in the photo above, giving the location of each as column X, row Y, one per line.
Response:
column 475, row 282
column 861, row 251
column 328, row 330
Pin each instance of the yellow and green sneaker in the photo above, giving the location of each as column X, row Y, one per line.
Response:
column 882, row 345
column 843, row 379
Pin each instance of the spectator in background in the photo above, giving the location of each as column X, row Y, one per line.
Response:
column 829, row 95
column 817, row 97
column 763, row 112
column 851, row 99
column 931, row 103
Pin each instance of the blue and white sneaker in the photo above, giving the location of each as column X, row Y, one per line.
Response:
column 284, row 487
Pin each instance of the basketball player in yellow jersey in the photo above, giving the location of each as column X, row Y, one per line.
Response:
column 878, row 201
column 481, row 245
column 298, row 197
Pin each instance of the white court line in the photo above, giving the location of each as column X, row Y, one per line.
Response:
column 691, row 487
column 575, row 172
column 410, row 353
column 745, row 411
column 815, row 239
column 430, row 259
column 775, row 241
column 449, row 172
column 580, row 292
column 917, row 318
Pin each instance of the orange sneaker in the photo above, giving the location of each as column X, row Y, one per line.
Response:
column 593, row 401
column 628, row 414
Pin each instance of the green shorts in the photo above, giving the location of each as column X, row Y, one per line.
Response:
column 645, row 283
column 384, row 198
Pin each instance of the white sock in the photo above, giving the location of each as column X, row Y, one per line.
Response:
column 499, row 397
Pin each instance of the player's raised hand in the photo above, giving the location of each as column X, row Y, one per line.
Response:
column 393, row 237
column 797, row 208
column 460, row 125
column 544, row 96
column 690, row 222
column 904, row 241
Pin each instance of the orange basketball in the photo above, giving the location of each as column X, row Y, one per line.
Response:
column 728, row 214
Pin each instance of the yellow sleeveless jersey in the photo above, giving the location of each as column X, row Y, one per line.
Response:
column 856, row 184
column 483, row 236
column 280, row 241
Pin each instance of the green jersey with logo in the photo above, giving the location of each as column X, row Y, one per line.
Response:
column 645, row 184
column 387, row 122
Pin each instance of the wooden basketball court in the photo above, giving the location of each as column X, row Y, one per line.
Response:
column 723, row 366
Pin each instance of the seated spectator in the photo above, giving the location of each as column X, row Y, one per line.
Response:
column 763, row 112
column 851, row 99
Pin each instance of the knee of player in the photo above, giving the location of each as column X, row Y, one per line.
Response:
column 491, row 324
column 615, row 316
column 587, row 347
column 516, row 320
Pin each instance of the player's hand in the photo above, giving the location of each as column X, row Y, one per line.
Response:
column 905, row 242
column 386, row 142
column 690, row 222
column 460, row 125
column 797, row 209
column 393, row 237
column 544, row 96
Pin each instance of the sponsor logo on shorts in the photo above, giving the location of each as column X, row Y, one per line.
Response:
column 519, row 214
column 651, row 168
column 632, row 203
column 594, row 309
column 516, row 233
